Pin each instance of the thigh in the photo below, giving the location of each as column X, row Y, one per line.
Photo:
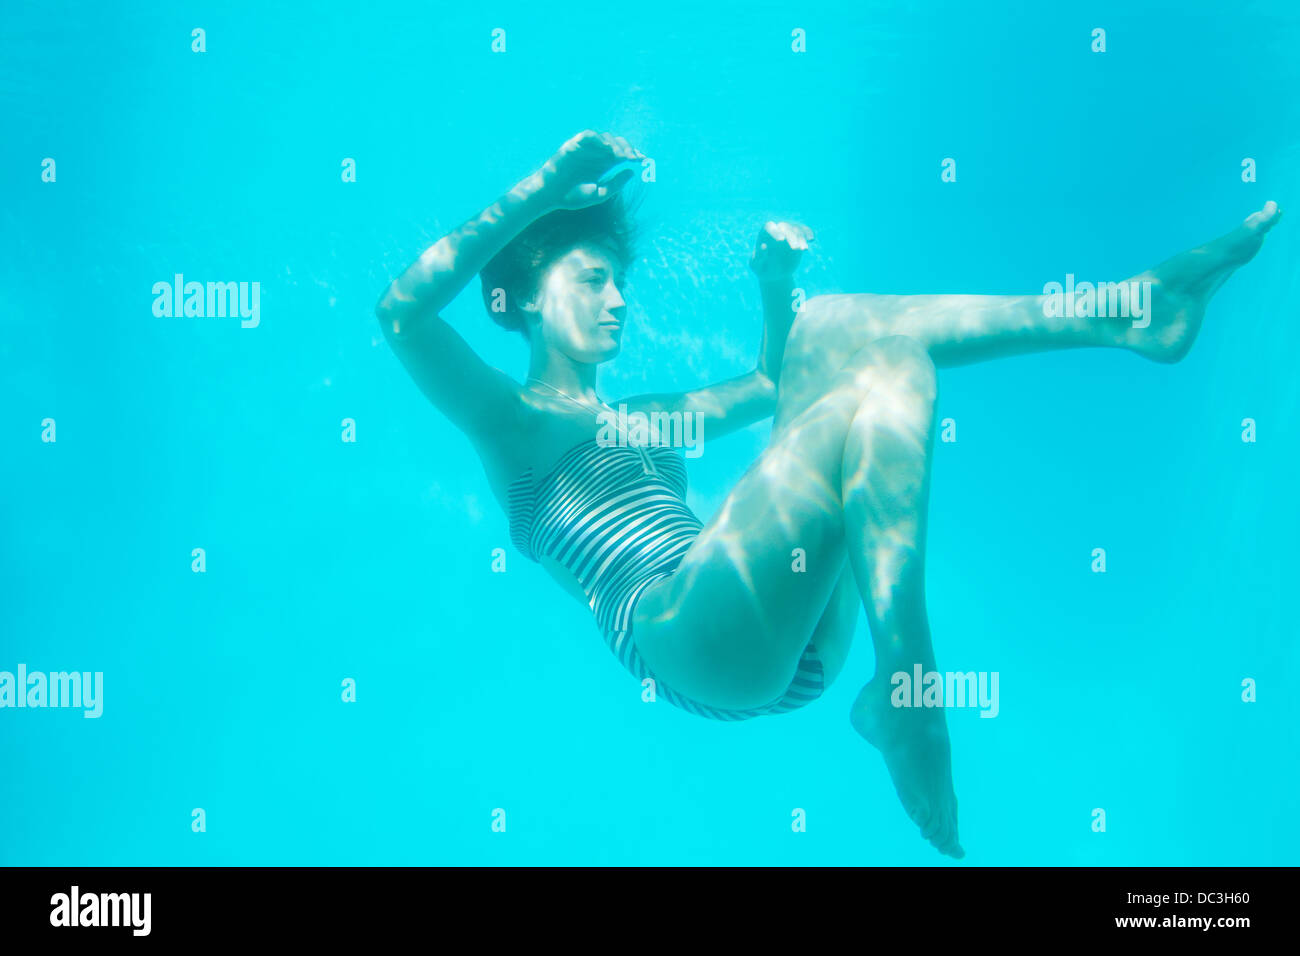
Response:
column 828, row 332
column 729, row 626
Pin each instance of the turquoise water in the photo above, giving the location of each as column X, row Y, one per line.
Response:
column 372, row 560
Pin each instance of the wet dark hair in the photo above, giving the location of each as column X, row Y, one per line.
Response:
column 518, row 268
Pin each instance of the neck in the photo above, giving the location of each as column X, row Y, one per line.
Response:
column 577, row 379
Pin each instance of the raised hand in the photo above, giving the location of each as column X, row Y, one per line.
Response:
column 778, row 248
column 578, row 174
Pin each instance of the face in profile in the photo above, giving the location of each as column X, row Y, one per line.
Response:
column 579, row 305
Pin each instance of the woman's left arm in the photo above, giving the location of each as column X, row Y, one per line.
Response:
column 736, row 403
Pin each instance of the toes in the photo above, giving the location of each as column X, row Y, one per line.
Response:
column 919, row 813
column 1265, row 219
column 943, row 836
column 948, row 842
column 950, row 833
column 932, row 827
column 955, row 851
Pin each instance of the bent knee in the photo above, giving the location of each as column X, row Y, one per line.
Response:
column 825, row 333
column 904, row 350
column 814, row 315
column 894, row 363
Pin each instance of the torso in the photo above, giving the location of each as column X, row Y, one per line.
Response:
column 537, row 440
column 545, row 431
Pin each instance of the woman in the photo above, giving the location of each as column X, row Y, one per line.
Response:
column 751, row 613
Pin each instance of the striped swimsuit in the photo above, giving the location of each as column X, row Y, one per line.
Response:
column 616, row 517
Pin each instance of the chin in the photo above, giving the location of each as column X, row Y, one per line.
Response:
column 604, row 351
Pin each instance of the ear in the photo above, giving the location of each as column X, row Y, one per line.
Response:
column 531, row 314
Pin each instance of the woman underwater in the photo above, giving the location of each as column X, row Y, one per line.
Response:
column 720, row 615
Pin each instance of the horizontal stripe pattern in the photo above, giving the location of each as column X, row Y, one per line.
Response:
column 616, row 517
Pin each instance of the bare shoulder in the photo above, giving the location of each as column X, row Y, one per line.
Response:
column 536, row 437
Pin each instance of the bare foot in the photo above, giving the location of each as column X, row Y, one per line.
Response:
column 914, row 743
column 1181, row 287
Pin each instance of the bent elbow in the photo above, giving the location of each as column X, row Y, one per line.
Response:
column 389, row 317
column 384, row 307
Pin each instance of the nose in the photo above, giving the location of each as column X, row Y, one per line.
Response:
column 614, row 302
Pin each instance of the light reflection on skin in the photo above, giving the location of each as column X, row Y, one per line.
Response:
column 844, row 480
column 578, row 313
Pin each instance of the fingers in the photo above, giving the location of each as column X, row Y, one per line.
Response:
column 626, row 149
column 615, row 184
column 620, row 148
column 604, row 146
column 794, row 234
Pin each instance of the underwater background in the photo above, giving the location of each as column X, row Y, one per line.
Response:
column 372, row 560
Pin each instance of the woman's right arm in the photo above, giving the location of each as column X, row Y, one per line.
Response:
column 476, row 397
column 479, row 399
